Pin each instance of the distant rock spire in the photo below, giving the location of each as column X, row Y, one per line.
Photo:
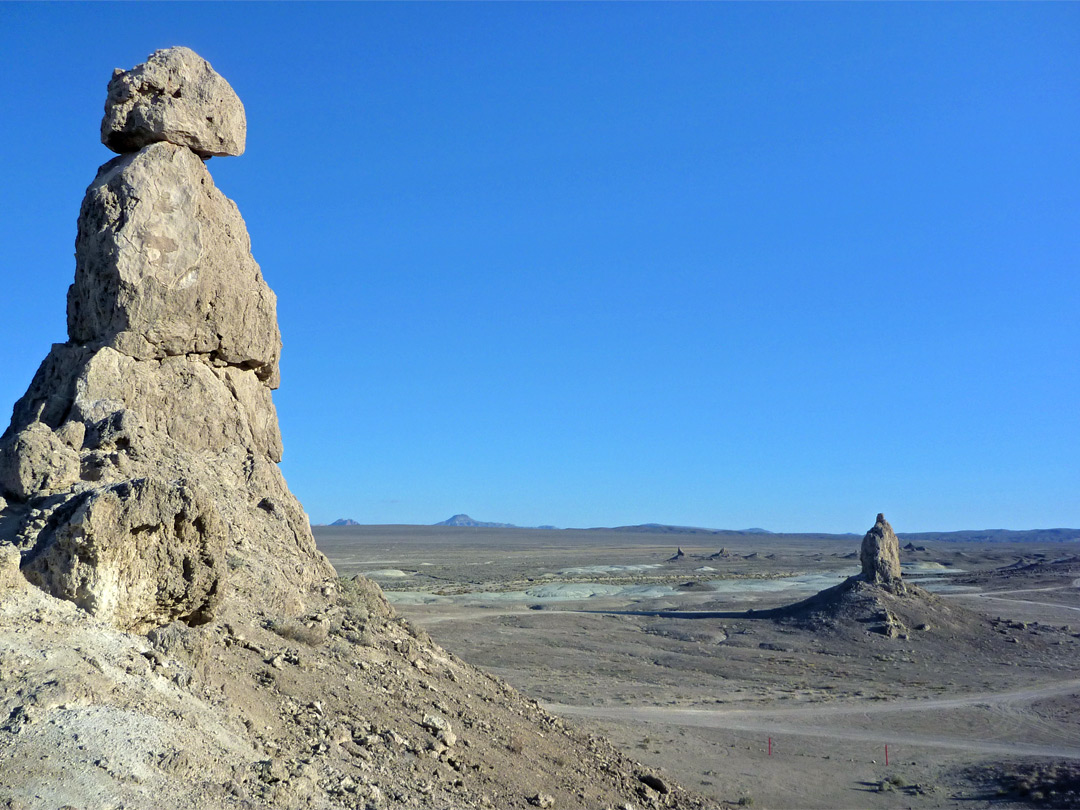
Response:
column 880, row 556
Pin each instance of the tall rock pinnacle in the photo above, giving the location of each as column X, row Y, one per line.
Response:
column 880, row 556
column 140, row 468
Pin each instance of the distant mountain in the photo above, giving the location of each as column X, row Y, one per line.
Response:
column 465, row 520
column 663, row 528
column 970, row 536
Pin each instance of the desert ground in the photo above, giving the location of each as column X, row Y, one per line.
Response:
column 679, row 662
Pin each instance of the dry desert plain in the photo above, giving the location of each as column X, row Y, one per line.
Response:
column 680, row 663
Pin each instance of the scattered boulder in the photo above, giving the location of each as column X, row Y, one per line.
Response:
column 439, row 728
column 138, row 554
column 880, row 556
column 889, row 625
column 655, row 782
column 10, row 576
column 175, row 96
column 678, row 555
column 35, row 460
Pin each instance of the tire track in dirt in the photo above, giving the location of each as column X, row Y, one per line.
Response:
column 793, row 721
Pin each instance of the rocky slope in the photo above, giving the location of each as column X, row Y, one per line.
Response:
column 169, row 635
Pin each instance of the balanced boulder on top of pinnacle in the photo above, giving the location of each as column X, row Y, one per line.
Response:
column 174, row 96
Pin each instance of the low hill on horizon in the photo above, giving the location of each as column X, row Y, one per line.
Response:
column 663, row 528
column 465, row 520
column 964, row 536
column 1057, row 535
column 468, row 522
column 996, row 536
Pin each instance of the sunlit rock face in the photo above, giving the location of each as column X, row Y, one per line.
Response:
column 163, row 267
column 139, row 470
column 880, row 556
column 174, row 96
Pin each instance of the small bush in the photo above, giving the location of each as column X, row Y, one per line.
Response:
column 314, row 636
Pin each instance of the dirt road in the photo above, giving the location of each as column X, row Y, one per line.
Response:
column 828, row 720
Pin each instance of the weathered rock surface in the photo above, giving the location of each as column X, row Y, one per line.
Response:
column 142, row 460
column 36, row 460
column 137, row 554
column 10, row 559
column 163, row 267
column 880, row 556
column 174, row 96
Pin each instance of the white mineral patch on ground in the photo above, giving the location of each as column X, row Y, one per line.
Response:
column 605, row 569
column 581, row 591
column 587, row 590
column 809, row 583
column 927, row 567
column 415, row 598
column 942, row 585
column 553, row 592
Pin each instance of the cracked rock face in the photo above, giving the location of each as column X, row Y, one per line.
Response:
column 880, row 556
column 174, row 96
column 137, row 554
column 140, row 471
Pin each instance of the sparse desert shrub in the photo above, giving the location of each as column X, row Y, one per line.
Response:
column 515, row 745
column 746, row 801
column 313, row 636
column 417, row 633
column 1044, row 784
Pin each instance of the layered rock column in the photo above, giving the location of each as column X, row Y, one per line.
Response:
column 140, row 468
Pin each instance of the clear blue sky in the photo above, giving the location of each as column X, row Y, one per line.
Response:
column 726, row 265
